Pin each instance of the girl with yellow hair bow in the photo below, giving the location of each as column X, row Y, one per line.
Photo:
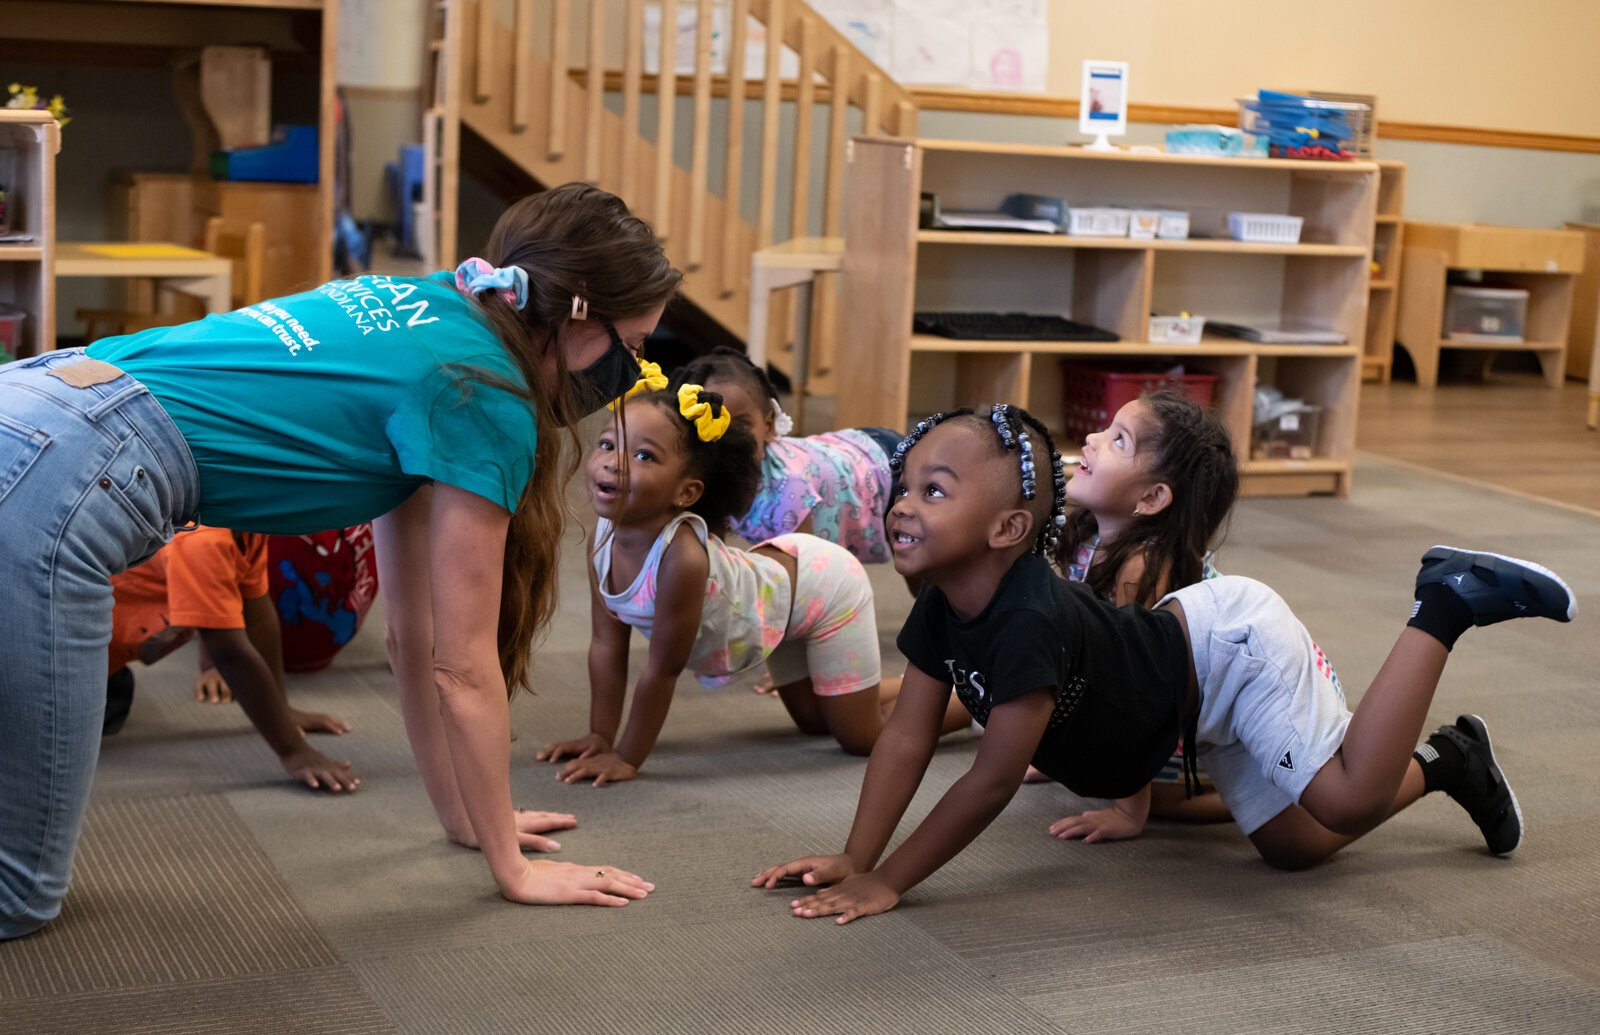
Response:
column 666, row 478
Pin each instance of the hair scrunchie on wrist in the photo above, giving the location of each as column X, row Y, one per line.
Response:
column 475, row 275
column 710, row 418
column 651, row 379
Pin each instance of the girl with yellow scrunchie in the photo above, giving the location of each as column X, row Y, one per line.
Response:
column 666, row 479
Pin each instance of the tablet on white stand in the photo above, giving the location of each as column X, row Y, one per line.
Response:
column 1103, row 103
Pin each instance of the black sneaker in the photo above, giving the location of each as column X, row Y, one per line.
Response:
column 1482, row 789
column 119, row 700
column 1497, row 588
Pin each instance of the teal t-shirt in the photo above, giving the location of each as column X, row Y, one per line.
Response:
column 328, row 408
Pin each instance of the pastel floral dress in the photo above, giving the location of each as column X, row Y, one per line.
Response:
column 839, row 480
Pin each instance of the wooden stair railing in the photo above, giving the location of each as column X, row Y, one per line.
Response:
column 510, row 71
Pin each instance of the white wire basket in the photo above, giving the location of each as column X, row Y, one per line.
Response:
column 1264, row 228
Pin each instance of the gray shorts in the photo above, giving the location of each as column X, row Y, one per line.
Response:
column 1272, row 712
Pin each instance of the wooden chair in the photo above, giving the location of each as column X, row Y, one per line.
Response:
column 247, row 253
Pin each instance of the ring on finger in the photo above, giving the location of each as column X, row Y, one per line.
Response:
column 599, row 873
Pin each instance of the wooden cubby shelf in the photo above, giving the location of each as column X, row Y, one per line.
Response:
column 893, row 269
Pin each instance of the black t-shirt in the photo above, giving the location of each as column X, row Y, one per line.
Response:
column 1118, row 675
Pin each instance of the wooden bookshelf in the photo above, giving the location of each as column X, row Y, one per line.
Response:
column 1388, row 238
column 29, row 142
column 892, row 376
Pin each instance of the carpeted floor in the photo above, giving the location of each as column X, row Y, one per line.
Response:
column 213, row 896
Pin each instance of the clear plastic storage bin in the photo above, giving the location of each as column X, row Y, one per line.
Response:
column 1485, row 314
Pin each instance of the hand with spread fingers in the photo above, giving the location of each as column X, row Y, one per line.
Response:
column 606, row 767
column 319, row 772
column 578, row 747
column 861, row 894
column 816, row 870
column 531, row 825
column 545, row 883
column 1111, row 824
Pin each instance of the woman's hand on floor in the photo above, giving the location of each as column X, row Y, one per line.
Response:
column 545, row 883
column 531, row 825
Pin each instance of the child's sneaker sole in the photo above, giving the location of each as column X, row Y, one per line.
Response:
column 1484, row 791
column 1497, row 587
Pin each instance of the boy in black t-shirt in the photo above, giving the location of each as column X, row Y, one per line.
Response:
column 1096, row 695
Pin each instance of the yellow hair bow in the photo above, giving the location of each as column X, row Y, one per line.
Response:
column 708, row 426
column 651, row 379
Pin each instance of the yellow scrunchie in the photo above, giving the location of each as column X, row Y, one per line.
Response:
column 650, row 379
column 708, row 427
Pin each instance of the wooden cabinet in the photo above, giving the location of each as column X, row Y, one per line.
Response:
column 890, row 376
column 1585, row 303
column 1388, row 239
column 29, row 142
column 1543, row 262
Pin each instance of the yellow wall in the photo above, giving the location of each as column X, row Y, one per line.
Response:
column 1502, row 64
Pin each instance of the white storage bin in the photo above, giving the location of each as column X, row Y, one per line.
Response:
column 1098, row 222
column 1485, row 314
column 1264, row 227
column 1144, row 224
column 1177, row 330
column 1174, row 225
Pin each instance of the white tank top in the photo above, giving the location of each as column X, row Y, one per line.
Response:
column 746, row 608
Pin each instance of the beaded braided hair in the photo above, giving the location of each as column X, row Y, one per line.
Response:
column 1017, row 430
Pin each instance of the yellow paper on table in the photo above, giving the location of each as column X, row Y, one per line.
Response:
column 143, row 251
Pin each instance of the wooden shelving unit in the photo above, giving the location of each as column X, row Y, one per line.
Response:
column 29, row 142
column 1388, row 238
column 300, row 36
column 893, row 269
column 1544, row 262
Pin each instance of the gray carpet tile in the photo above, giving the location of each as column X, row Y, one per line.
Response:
column 761, row 975
column 1466, row 985
column 320, row 1001
column 166, row 891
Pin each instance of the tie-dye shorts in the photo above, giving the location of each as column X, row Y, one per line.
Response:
column 833, row 629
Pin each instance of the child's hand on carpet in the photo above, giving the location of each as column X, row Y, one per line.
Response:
column 861, row 894
column 813, row 869
column 318, row 722
column 210, row 687
column 606, row 767
column 317, row 771
column 580, row 747
column 1098, row 825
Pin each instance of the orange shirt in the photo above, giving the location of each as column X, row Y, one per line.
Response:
column 199, row 580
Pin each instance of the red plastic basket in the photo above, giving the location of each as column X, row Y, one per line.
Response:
column 1091, row 396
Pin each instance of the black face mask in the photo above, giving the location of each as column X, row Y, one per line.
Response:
column 606, row 378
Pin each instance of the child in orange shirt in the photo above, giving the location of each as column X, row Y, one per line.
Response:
column 214, row 582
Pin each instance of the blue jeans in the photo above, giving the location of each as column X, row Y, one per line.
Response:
column 93, row 480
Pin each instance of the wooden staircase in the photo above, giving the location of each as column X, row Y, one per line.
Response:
column 532, row 81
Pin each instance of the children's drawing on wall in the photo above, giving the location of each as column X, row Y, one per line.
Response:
column 981, row 44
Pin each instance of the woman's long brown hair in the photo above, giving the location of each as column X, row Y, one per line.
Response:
column 572, row 240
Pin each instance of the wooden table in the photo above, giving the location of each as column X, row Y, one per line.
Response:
column 188, row 271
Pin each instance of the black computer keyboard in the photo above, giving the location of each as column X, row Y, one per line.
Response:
column 1007, row 327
